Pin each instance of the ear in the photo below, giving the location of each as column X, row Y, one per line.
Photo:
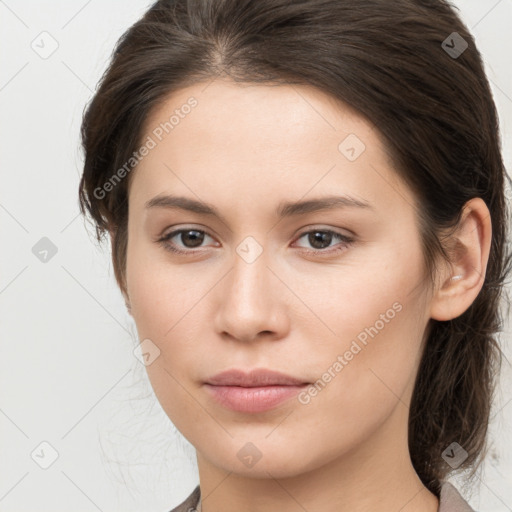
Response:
column 463, row 279
column 112, row 234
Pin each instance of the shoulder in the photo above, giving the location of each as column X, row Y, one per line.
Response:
column 450, row 499
column 190, row 504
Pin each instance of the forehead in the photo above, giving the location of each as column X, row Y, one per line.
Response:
column 265, row 112
column 254, row 140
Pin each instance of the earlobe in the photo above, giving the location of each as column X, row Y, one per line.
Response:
column 462, row 281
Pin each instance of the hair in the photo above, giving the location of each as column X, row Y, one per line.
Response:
column 435, row 111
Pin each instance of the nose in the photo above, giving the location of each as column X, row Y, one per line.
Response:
column 251, row 302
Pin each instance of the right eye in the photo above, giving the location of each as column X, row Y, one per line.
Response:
column 188, row 235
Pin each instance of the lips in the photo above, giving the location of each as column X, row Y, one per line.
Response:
column 253, row 392
column 254, row 378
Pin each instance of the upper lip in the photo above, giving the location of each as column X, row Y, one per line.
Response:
column 253, row 378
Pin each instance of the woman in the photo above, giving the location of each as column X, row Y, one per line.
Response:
column 306, row 207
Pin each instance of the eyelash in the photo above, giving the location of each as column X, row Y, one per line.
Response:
column 346, row 241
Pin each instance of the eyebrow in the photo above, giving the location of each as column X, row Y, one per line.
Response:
column 284, row 209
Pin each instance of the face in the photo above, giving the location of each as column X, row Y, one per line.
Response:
column 333, row 297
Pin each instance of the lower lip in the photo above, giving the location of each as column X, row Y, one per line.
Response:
column 252, row 400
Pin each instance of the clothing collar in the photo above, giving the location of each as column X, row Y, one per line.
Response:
column 450, row 500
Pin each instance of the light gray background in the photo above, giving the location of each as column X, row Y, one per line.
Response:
column 68, row 375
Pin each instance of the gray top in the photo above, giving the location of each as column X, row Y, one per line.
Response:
column 449, row 501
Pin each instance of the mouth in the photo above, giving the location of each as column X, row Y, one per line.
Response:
column 256, row 391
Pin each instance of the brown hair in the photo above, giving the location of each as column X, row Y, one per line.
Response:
column 396, row 63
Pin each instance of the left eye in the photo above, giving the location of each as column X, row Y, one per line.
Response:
column 193, row 238
column 320, row 237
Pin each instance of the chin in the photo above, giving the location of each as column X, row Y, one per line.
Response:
column 264, row 459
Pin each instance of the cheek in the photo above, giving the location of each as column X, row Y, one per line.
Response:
column 160, row 293
column 368, row 370
column 377, row 313
column 161, row 301
column 167, row 305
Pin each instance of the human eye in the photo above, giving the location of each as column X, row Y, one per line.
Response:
column 191, row 238
column 321, row 238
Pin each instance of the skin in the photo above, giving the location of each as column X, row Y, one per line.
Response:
column 243, row 149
